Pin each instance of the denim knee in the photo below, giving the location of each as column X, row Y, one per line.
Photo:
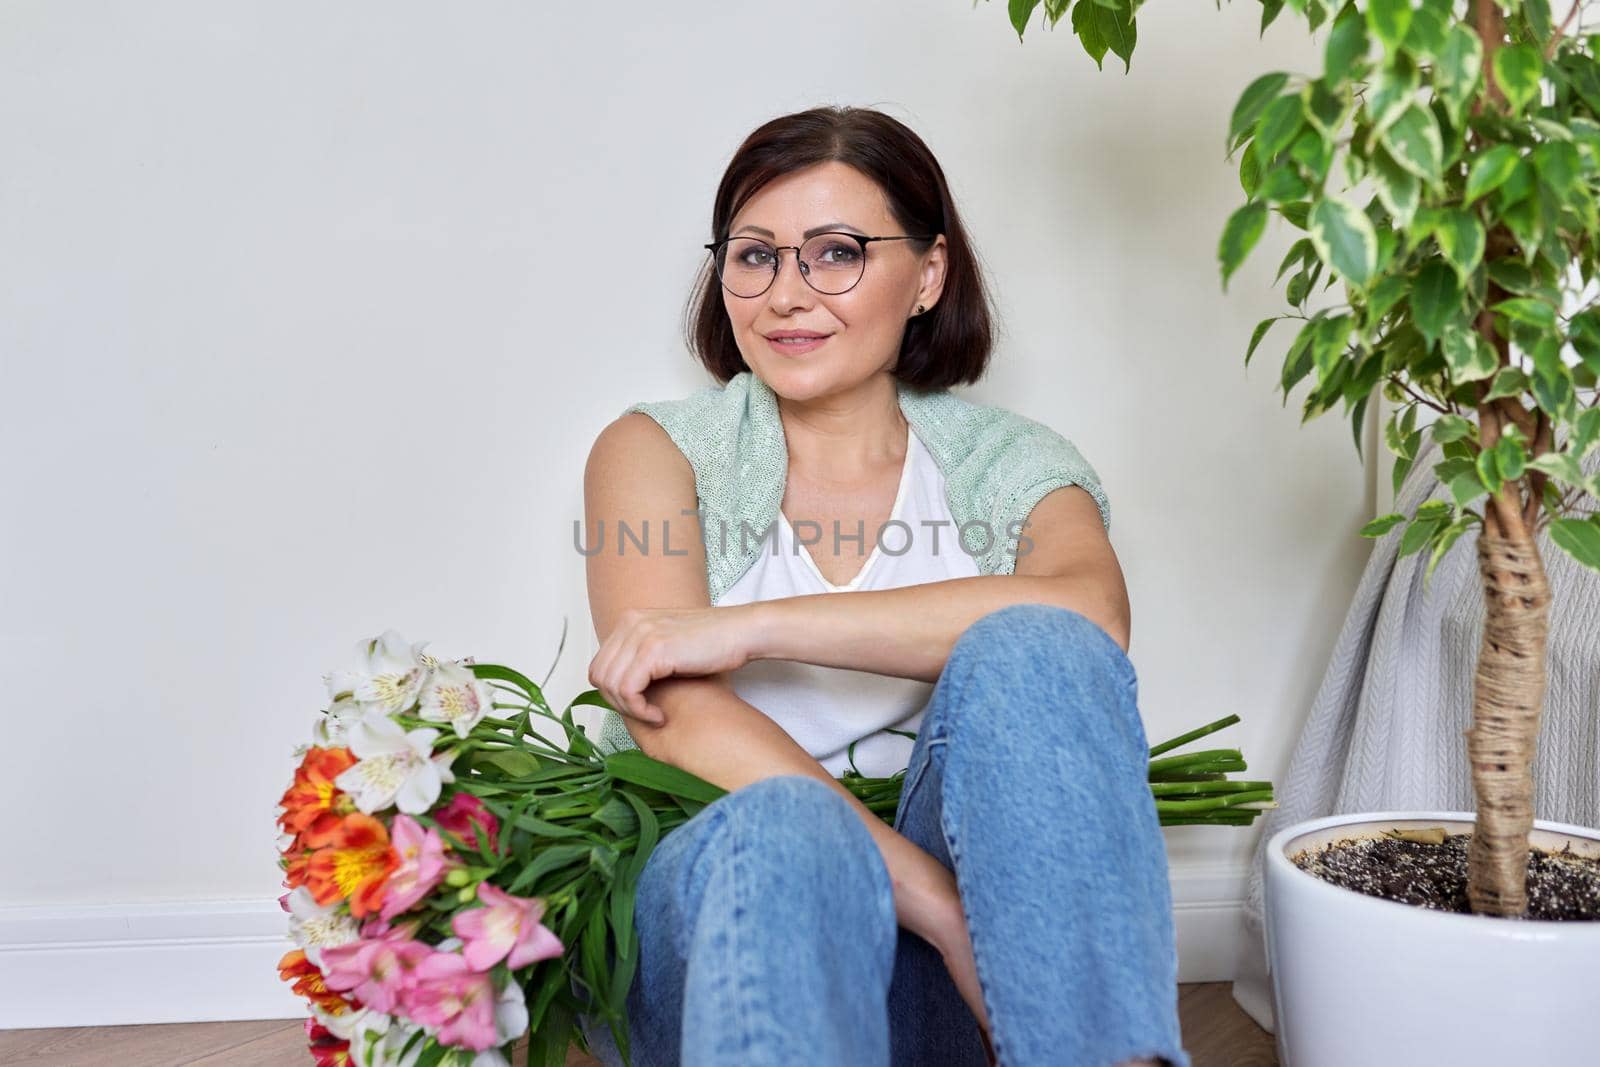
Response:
column 1038, row 666
column 804, row 829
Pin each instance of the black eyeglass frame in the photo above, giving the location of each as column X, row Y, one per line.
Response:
column 777, row 257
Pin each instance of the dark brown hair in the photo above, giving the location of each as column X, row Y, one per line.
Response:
column 947, row 345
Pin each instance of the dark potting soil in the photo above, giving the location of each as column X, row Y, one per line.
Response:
column 1561, row 885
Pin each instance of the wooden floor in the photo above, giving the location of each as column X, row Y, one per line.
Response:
column 1216, row 1031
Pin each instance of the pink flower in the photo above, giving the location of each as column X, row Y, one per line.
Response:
column 379, row 973
column 379, row 927
column 455, row 1000
column 466, row 817
column 507, row 929
column 421, row 865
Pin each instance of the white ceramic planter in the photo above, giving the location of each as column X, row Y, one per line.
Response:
column 1358, row 981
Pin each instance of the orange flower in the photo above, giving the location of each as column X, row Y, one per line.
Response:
column 296, row 866
column 307, row 979
column 354, row 865
column 313, row 805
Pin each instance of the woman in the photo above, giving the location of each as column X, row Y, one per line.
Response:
column 1019, row 907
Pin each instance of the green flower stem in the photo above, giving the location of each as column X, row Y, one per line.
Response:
column 1184, row 739
column 1178, row 807
column 1161, row 789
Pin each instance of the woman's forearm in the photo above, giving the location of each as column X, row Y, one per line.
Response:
column 908, row 632
column 711, row 732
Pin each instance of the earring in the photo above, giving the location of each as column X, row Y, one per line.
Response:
column 920, row 309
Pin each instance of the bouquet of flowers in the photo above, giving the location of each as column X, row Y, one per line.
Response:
column 455, row 881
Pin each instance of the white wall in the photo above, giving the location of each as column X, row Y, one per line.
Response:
column 309, row 314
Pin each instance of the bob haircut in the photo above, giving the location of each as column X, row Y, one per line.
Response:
column 950, row 344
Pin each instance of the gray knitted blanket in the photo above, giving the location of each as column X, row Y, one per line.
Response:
column 1387, row 728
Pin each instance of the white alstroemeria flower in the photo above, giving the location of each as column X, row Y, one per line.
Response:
column 393, row 766
column 314, row 927
column 332, row 729
column 387, row 674
column 354, row 1024
column 452, row 694
column 384, row 1050
column 510, row 1014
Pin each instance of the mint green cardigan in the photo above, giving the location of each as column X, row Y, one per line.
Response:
column 996, row 464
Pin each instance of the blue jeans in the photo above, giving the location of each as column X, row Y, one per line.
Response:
column 767, row 925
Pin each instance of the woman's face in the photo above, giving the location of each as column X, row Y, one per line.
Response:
column 864, row 326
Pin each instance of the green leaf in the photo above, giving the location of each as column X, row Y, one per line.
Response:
column 1282, row 184
column 1389, row 20
column 1457, row 69
column 1021, row 11
column 1087, row 27
column 1297, row 361
column 1395, row 89
column 1239, row 236
column 1397, row 187
column 1344, row 239
column 1329, row 343
column 1269, row 12
column 1435, row 299
column 1510, row 458
column 1415, row 143
column 1537, row 12
column 1490, row 171
column 1587, row 433
column 1559, row 166
column 631, row 765
column 1257, row 334
column 1419, row 533
column 548, row 859
column 1300, row 251
column 1279, row 123
column 1533, row 312
column 1448, row 428
column 1249, row 166
column 1488, row 472
column 1585, row 338
column 1297, row 213
column 1579, row 538
column 1452, row 533
column 1314, row 151
column 1510, row 275
column 1517, row 69
column 1384, row 296
column 1118, row 31
column 1382, row 525
column 1466, row 487
column 1430, row 24
column 1347, row 43
column 1468, row 355
column 1510, row 381
column 1559, row 465
column 1460, row 237
column 1255, row 98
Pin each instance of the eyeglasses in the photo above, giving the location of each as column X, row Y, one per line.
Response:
column 831, row 263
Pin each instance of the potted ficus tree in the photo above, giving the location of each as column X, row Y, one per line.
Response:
column 1444, row 167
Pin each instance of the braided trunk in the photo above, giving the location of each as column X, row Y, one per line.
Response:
column 1508, row 694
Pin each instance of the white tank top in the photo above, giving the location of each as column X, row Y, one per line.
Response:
column 826, row 708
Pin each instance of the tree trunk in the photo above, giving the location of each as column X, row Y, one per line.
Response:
column 1508, row 694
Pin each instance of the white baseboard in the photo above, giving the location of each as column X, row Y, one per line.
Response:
column 1208, row 920
column 106, row 965
column 206, row 961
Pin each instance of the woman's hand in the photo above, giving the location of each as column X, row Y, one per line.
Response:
column 933, row 912
column 956, row 946
column 651, row 643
